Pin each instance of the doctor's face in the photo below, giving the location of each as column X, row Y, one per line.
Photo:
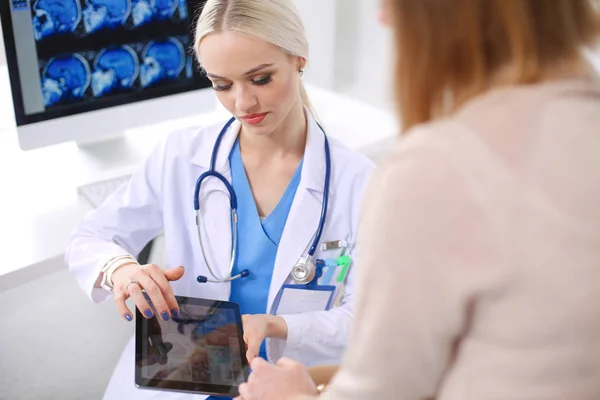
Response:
column 255, row 81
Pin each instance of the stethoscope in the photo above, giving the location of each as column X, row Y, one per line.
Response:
column 304, row 270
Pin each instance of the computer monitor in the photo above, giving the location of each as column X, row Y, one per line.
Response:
column 89, row 70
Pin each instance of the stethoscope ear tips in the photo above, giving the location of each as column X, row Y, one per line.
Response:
column 244, row 273
column 202, row 279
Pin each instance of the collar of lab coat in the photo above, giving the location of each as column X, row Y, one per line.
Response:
column 313, row 168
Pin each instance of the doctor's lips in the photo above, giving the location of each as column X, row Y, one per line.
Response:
column 254, row 119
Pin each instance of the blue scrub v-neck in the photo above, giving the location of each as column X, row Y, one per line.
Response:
column 257, row 240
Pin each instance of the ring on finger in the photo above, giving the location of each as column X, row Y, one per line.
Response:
column 129, row 283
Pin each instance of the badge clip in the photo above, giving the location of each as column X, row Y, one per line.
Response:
column 334, row 245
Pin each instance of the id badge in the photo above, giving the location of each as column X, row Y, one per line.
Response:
column 297, row 299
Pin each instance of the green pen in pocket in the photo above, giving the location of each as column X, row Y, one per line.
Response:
column 344, row 262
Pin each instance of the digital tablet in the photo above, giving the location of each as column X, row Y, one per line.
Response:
column 201, row 351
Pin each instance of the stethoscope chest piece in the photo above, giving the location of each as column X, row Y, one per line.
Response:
column 304, row 270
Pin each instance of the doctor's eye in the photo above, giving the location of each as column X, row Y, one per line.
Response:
column 221, row 88
column 262, row 80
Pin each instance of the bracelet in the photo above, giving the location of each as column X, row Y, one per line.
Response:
column 104, row 282
column 111, row 266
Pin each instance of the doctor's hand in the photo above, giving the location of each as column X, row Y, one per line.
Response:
column 129, row 281
column 258, row 327
column 286, row 380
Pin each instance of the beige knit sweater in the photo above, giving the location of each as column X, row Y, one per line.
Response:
column 479, row 263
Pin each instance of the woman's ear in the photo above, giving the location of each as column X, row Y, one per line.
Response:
column 300, row 63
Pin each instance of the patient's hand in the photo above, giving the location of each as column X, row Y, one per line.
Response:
column 286, row 380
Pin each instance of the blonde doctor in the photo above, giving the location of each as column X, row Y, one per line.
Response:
column 296, row 193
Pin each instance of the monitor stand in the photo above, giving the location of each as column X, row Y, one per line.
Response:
column 107, row 159
column 110, row 153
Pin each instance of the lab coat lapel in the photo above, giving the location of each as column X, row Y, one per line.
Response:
column 303, row 219
column 215, row 207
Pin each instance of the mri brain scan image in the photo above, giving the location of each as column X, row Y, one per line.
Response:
column 145, row 11
column 189, row 67
column 114, row 69
column 103, row 52
column 52, row 17
column 162, row 61
column 99, row 14
column 65, row 77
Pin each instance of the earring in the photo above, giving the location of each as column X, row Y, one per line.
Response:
column 300, row 72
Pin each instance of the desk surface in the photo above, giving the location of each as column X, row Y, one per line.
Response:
column 40, row 207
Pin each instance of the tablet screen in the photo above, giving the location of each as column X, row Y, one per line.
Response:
column 200, row 351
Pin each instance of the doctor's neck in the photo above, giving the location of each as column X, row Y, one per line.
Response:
column 289, row 137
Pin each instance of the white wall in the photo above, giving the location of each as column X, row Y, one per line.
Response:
column 350, row 50
column 346, row 39
column 373, row 57
column 363, row 56
column 318, row 17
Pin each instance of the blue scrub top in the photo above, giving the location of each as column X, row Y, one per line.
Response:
column 257, row 240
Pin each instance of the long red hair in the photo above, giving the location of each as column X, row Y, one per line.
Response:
column 449, row 51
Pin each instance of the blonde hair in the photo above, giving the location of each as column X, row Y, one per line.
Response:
column 273, row 21
column 453, row 49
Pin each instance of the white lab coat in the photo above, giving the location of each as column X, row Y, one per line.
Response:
column 160, row 197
